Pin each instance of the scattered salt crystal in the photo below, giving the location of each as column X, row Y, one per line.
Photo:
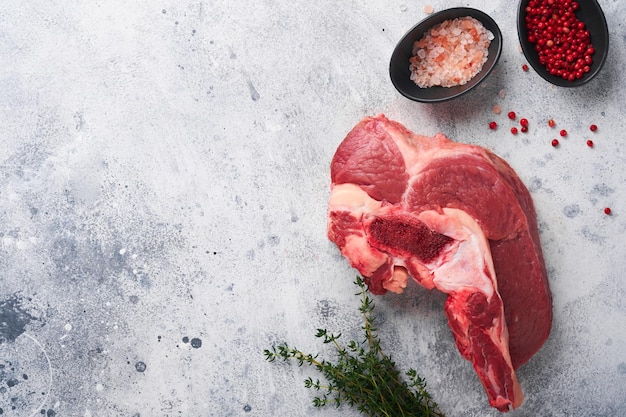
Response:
column 502, row 93
column 403, row 7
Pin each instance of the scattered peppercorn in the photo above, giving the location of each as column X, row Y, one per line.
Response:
column 523, row 122
column 590, row 143
column 493, row 125
column 514, row 130
column 524, row 67
column 524, row 129
column 607, row 210
column 512, row 115
column 551, row 123
column 563, row 132
column 555, row 142
column 593, row 128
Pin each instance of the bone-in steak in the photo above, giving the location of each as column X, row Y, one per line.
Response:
column 455, row 217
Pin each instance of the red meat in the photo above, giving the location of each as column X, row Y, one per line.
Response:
column 454, row 217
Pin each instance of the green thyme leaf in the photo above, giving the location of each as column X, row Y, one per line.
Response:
column 362, row 376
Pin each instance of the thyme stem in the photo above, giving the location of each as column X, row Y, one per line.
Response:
column 363, row 376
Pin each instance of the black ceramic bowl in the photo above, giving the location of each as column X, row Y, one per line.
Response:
column 590, row 13
column 399, row 65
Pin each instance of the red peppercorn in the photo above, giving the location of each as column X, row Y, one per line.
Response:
column 524, row 67
column 563, row 132
column 607, row 210
column 561, row 40
column 590, row 143
column 523, row 122
column 514, row 130
column 593, row 128
column 512, row 115
column 524, row 129
column 493, row 125
column 555, row 142
column 551, row 123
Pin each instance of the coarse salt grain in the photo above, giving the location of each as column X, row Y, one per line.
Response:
column 450, row 53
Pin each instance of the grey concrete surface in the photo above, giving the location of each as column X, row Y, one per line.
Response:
column 164, row 174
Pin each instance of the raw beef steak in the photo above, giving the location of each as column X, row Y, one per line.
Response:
column 454, row 217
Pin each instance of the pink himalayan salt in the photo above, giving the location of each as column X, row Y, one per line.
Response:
column 450, row 53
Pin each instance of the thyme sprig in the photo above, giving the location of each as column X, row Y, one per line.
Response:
column 363, row 376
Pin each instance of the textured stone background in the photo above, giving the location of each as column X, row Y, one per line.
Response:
column 163, row 186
